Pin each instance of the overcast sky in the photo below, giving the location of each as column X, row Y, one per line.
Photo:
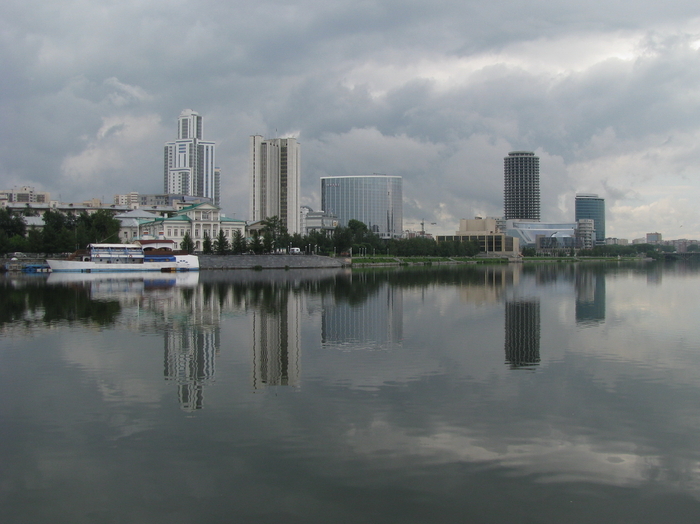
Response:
column 606, row 93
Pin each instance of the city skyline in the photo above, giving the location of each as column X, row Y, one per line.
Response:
column 436, row 96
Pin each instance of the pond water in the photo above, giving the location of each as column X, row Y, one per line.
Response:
column 541, row 393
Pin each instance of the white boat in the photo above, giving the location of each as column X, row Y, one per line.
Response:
column 124, row 257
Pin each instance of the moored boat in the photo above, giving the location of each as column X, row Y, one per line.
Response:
column 124, row 257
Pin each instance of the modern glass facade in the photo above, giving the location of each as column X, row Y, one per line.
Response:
column 592, row 206
column 521, row 192
column 375, row 200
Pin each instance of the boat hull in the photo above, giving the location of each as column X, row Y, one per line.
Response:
column 181, row 263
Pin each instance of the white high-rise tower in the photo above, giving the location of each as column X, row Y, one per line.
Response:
column 190, row 161
column 275, row 168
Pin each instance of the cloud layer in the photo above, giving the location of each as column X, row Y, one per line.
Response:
column 437, row 93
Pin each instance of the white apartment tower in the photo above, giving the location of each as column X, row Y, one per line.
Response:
column 190, row 161
column 275, row 169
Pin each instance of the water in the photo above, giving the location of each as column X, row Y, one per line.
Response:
column 534, row 394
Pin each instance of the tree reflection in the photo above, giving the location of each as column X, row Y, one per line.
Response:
column 34, row 301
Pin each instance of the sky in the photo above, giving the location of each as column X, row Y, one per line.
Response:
column 605, row 93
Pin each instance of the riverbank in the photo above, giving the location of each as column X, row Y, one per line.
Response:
column 259, row 262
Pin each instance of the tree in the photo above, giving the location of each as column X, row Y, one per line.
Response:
column 206, row 245
column 256, row 244
column 187, row 244
column 11, row 225
column 268, row 242
column 58, row 235
column 105, row 228
column 239, row 243
column 342, row 239
column 221, row 245
column 277, row 231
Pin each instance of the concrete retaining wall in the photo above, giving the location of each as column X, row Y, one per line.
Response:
column 207, row 262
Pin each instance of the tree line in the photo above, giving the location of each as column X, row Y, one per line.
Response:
column 356, row 239
column 62, row 233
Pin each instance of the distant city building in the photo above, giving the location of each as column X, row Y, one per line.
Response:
column 543, row 235
column 24, row 194
column 521, row 194
column 585, row 233
column 592, row 206
column 275, row 176
column 311, row 221
column 135, row 200
column 189, row 162
column 616, row 241
column 375, row 200
column 653, row 238
column 484, row 231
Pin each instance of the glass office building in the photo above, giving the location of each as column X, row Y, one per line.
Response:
column 375, row 200
column 592, row 206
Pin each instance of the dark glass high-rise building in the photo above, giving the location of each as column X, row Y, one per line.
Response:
column 592, row 206
column 521, row 193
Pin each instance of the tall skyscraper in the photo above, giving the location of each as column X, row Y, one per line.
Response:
column 521, row 194
column 275, row 175
column 375, row 200
column 190, row 161
column 592, row 206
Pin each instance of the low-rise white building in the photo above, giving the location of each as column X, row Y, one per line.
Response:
column 198, row 220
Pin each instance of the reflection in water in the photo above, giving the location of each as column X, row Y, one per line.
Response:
column 522, row 333
column 84, row 367
column 30, row 301
column 190, row 362
column 276, row 346
column 187, row 314
column 377, row 323
column 590, row 296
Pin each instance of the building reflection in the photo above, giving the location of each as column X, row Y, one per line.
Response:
column 190, row 362
column 190, row 322
column 276, row 339
column 375, row 323
column 187, row 313
column 490, row 288
column 590, row 297
column 522, row 338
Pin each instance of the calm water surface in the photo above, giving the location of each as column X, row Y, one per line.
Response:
column 530, row 394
